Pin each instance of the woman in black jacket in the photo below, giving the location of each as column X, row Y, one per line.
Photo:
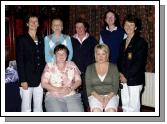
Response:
column 30, row 64
column 131, row 64
column 83, row 53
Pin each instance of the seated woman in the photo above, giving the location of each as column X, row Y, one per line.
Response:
column 60, row 79
column 102, row 82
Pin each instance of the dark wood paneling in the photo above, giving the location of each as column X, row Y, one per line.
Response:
column 93, row 14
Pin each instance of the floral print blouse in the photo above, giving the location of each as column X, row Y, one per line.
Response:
column 57, row 78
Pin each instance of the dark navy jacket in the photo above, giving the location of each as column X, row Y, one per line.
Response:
column 83, row 54
column 30, row 59
column 132, row 61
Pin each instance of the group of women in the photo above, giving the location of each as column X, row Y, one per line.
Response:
column 78, row 72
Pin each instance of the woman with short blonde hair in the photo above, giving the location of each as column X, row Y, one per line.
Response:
column 102, row 81
column 105, row 49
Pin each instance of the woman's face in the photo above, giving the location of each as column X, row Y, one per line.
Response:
column 57, row 26
column 130, row 28
column 61, row 56
column 80, row 29
column 33, row 23
column 101, row 56
column 110, row 18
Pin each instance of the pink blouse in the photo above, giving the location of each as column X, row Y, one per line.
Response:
column 57, row 78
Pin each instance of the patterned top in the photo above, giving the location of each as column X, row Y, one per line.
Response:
column 51, row 42
column 59, row 78
column 11, row 75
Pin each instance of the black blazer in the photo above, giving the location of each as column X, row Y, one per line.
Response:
column 30, row 59
column 132, row 61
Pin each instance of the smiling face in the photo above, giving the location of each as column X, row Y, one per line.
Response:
column 33, row 23
column 61, row 56
column 57, row 26
column 101, row 55
column 130, row 28
column 80, row 29
column 110, row 18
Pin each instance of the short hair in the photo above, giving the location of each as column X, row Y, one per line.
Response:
column 30, row 15
column 61, row 47
column 57, row 18
column 86, row 25
column 103, row 47
column 133, row 19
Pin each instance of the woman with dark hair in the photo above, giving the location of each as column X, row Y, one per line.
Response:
column 83, row 53
column 131, row 64
column 83, row 45
column 61, row 78
column 30, row 61
column 112, row 35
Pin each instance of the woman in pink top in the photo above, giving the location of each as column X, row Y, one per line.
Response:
column 60, row 79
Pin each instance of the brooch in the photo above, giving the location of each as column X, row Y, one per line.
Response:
column 130, row 56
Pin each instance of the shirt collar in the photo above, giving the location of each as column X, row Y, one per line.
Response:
column 77, row 37
column 112, row 30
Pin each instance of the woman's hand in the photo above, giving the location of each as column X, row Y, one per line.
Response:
column 24, row 85
column 100, row 98
column 66, row 90
column 97, row 96
column 61, row 91
column 122, row 78
column 106, row 100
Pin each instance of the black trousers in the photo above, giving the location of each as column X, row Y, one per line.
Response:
column 84, row 96
column 12, row 97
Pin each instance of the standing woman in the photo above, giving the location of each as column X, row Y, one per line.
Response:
column 51, row 41
column 83, row 53
column 131, row 64
column 112, row 35
column 30, row 60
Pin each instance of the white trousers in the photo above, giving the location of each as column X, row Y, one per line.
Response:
column 130, row 96
column 26, row 95
column 95, row 103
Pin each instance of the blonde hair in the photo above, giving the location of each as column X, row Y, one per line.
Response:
column 103, row 47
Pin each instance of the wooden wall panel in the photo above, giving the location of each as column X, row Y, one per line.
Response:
column 94, row 15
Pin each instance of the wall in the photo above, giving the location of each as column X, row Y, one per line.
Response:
column 15, row 15
column 94, row 15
